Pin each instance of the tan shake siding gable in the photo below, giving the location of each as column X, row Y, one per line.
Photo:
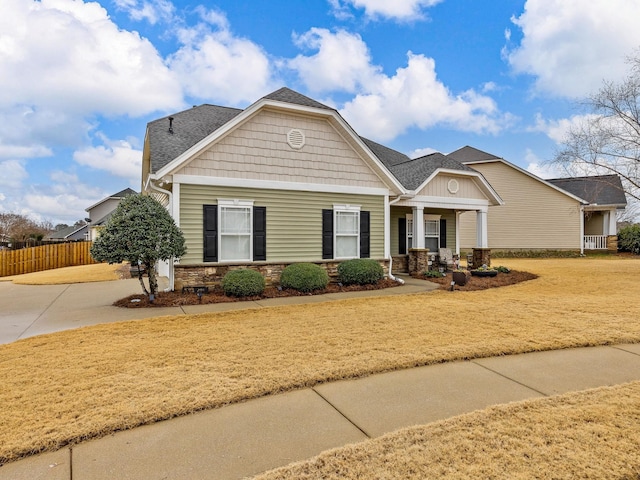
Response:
column 258, row 150
column 535, row 216
column 439, row 187
column 294, row 219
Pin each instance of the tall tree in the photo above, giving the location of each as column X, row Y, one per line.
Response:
column 142, row 232
column 607, row 139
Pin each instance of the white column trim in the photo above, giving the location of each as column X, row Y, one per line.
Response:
column 387, row 227
column 457, row 233
column 482, row 237
column 418, row 227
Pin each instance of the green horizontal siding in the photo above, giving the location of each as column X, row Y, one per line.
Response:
column 294, row 219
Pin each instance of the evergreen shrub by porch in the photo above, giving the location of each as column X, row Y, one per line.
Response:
column 304, row 277
column 629, row 238
column 243, row 283
column 360, row 271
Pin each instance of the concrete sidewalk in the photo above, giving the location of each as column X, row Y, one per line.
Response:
column 252, row 437
column 29, row 310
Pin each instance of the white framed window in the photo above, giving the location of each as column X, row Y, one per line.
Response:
column 431, row 232
column 235, row 230
column 346, row 221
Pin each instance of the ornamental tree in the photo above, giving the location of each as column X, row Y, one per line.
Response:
column 142, row 232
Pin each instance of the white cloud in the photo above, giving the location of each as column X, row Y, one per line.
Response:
column 570, row 46
column 117, row 157
column 414, row 97
column 215, row 65
column 13, row 174
column 68, row 56
column 557, row 130
column 402, row 10
column 421, row 152
column 342, row 61
column 153, row 11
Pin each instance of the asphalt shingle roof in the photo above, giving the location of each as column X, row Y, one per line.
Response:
column 411, row 173
column 471, row 154
column 597, row 190
column 290, row 96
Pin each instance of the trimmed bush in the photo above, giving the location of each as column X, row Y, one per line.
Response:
column 502, row 269
column 629, row 238
column 243, row 283
column 304, row 277
column 360, row 271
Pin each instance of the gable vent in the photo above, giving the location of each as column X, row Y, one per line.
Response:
column 295, row 138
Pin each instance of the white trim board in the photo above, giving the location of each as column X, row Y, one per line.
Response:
column 276, row 185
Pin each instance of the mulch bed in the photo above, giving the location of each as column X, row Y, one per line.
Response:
column 482, row 283
column 216, row 295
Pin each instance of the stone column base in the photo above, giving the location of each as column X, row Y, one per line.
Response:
column 612, row 243
column 481, row 256
column 418, row 260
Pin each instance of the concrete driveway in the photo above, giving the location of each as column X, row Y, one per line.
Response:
column 29, row 310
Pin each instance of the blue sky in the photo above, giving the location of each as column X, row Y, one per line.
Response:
column 80, row 80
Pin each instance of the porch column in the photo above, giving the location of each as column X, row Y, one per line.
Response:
column 613, row 225
column 418, row 227
column 458, row 233
column 482, row 237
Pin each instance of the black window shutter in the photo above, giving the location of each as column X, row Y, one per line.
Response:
column 443, row 233
column 259, row 233
column 210, row 226
column 365, row 236
column 402, row 236
column 327, row 234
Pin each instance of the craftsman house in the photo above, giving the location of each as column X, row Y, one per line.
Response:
column 288, row 180
column 576, row 214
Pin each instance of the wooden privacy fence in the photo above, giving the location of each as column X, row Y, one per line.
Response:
column 45, row 257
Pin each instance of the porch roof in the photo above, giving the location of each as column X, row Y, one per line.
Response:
column 601, row 190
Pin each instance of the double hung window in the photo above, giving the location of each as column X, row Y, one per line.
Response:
column 235, row 232
column 347, row 232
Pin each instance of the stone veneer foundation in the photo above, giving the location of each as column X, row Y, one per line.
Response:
column 211, row 275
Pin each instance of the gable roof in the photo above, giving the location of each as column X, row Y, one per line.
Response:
column 471, row 154
column 187, row 129
column 68, row 232
column 287, row 95
column 413, row 172
column 116, row 196
column 597, row 190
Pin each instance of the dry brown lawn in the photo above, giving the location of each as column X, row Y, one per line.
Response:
column 591, row 434
column 99, row 272
column 70, row 386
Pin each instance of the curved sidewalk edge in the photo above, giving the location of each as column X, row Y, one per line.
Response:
column 249, row 438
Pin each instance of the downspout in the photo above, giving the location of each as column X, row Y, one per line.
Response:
column 396, row 279
column 582, row 230
column 170, row 196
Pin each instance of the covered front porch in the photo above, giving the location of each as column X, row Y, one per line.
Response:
column 600, row 230
column 417, row 246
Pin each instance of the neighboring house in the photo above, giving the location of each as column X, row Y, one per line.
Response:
column 560, row 214
column 100, row 212
column 69, row 234
column 288, row 180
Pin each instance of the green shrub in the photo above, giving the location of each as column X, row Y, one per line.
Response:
column 243, row 283
column 304, row 277
column 360, row 271
column 432, row 274
column 502, row 269
column 629, row 238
